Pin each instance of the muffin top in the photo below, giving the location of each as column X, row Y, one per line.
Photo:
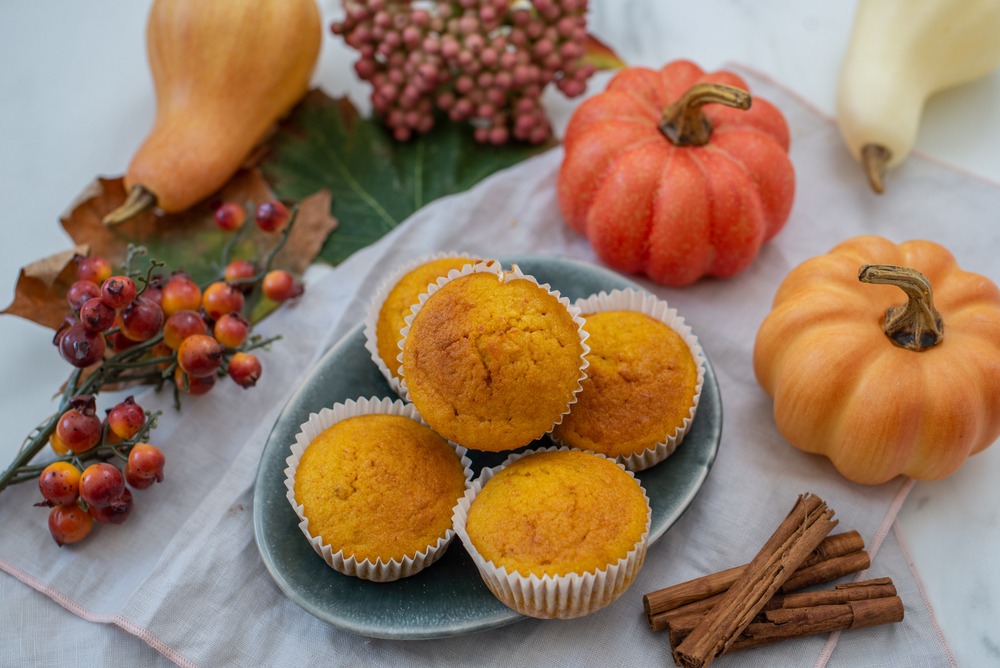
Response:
column 492, row 365
column 399, row 301
column 558, row 512
column 379, row 486
column 640, row 385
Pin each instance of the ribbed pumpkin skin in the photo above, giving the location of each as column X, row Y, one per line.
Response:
column 843, row 390
column 224, row 71
column 675, row 213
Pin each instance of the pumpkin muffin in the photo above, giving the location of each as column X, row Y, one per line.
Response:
column 375, row 488
column 643, row 382
column 556, row 532
column 491, row 359
column 393, row 302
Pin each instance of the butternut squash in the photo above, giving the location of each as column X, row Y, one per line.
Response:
column 901, row 52
column 224, row 71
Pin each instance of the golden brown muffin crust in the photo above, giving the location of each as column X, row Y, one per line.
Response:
column 640, row 385
column 492, row 365
column 555, row 513
column 379, row 486
column 397, row 305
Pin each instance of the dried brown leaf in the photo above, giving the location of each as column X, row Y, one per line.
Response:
column 40, row 292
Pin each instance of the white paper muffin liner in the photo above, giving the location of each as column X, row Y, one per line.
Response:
column 549, row 596
column 649, row 304
column 375, row 306
column 504, row 276
column 378, row 571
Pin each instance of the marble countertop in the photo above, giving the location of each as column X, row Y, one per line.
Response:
column 77, row 100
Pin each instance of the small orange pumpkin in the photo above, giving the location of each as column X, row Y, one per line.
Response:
column 674, row 174
column 880, row 387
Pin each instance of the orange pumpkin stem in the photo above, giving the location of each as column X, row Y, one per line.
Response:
column 685, row 124
column 915, row 325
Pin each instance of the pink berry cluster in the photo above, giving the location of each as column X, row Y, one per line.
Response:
column 485, row 62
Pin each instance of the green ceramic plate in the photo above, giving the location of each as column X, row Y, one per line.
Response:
column 448, row 598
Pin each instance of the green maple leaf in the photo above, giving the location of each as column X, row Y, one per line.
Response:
column 376, row 182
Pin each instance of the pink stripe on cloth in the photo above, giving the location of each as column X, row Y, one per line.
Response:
column 121, row 622
column 905, row 549
column 873, row 548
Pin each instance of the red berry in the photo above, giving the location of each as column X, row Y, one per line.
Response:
column 102, row 485
column 96, row 315
column 59, row 484
column 126, row 418
column 95, row 269
column 200, row 355
column 230, row 216
column 79, row 428
column 240, row 270
column 220, row 298
column 80, row 293
column 69, row 523
column 271, row 216
column 231, row 330
column 118, row 291
column 180, row 293
column 245, row 369
column 181, row 325
column 279, row 286
column 141, row 320
column 115, row 512
column 80, row 346
column 145, row 464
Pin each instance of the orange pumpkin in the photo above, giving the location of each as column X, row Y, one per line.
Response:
column 880, row 381
column 673, row 173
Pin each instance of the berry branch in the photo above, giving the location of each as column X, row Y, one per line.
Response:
column 137, row 328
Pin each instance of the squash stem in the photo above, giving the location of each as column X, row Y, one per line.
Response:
column 685, row 124
column 915, row 325
column 138, row 200
column 875, row 159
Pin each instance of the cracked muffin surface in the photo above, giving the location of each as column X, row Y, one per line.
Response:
column 492, row 365
column 640, row 385
column 556, row 513
column 379, row 486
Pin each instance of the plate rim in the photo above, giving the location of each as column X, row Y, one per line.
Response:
column 502, row 617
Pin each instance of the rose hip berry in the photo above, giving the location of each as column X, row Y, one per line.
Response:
column 181, row 325
column 102, row 485
column 118, row 291
column 271, row 216
column 80, row 293
column 245, row 369
column 230, row 217
column 220, row 298
column 200, row 355
column 126, row 418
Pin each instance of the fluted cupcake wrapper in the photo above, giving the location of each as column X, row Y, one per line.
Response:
column 548, row 596
column 651, row 305
column 506, row 276
column 378, row 299
column 379, row 570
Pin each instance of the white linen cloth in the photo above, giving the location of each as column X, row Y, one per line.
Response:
column 183, row 574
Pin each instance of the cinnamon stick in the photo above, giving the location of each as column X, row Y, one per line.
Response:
column 802, row 530
column 848, row 606
column 806, row 576
column 838, row 555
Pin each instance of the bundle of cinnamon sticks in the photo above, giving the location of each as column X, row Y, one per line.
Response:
column 751, row 605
